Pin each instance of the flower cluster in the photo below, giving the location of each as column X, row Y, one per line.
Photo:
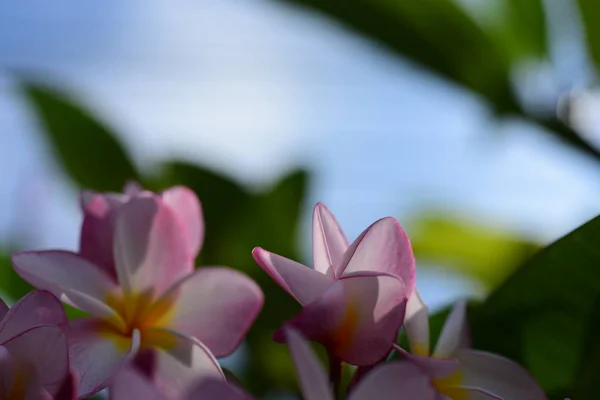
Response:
column 156, row 323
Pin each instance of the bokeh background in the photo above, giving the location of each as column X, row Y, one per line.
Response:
column 474, row 122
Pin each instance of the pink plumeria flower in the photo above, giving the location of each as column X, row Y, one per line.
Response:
column 453, row 371
column 354, row 298
column 34, row 361
column 100, row 211
column 154, row 302
column 382, row 383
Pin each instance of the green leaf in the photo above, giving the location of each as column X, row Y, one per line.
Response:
column 483, row 252
column 590, row 15
column 538, row 316
column 440, row 36
column 587, row 385
column 87, row 149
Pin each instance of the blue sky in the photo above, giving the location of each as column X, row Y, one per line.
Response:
column 254, row 89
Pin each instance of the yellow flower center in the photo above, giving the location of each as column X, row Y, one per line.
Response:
column 343, row 336
column 139, row 311
column 448, row 386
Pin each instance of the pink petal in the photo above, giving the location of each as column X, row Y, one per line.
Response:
column 435, row 368
column 186, row 205
column 311, row 376
column 132, row 188
column 215, row 305
column 13, row 374
column 303, row 283
column 97, row 353
column 68, row 389
column 34, row 309
column 96, row 238
column 357, row 319
column 455, row 332
column 329, row 242
column 3, row 309
column 129, row 384
column 211, row 388
column 497, row 376
column 395, row 381
column 43, row 348
column 150, row 246
column 71, row 278
column 178, row 361
column 416, row 324
column 383, row 247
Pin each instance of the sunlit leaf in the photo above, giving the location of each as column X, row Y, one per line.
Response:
column 86, row 148
column 480, row 251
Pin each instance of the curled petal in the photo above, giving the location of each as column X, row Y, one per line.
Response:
column 187, row 207
column 71, row 278
column 212, row 388
column 382, row 247
column 215, row 305
column 36, row 308
column 395, row 381
column 43, row 351
column 129, row 384
column 357, row 319
column 312, row 378
column 329, row 242
column 416, row 324
column 150, row 246
column 97, row 352
column 303, row 283
column 455, row 332
column 177, row 361
column 496, row 376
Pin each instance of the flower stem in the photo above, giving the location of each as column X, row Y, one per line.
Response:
column 335, row 374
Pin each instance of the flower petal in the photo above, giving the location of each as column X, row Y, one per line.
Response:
column 382, row 247
column 395, row 381
column 3, row 309
column 129, row 384
column 455, row 332
column 416, row 324
column 311, row 376
column 303, row 283
column 36, row 308
column 186, row 205
column 43, row 348
column 96, row 238
column 69, row 277
column 329, row 242
column 178, row 360
column 97, row 353
column 357, row 319
column 150, row 246
column 436, row 368
column 211, row 388
column 215, row 305
column 18, row 380
column 497, row 376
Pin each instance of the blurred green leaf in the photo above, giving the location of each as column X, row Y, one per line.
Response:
column 11, row 284
column 519, row 27
column 587, row 385
column 88, row 151
column 237, row 220
column 590, row 15
column 539, row 314
column 439, row 35
column 482, row 252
